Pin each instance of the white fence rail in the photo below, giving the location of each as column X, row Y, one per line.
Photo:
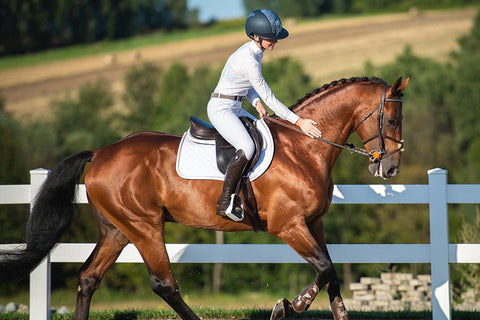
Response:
column 439, row 252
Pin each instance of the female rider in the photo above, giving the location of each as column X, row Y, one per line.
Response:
column 242, row 78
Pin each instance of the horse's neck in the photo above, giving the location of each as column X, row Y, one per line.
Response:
column 334, row 114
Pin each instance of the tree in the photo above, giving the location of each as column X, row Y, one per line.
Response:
column 85, row 122
column 32, row 25
column 287, row 8
column 12, row 148
column 288, row 79
column 171, row 115
column 467, row 284
column 141, row 98
column 12, row 171
column 202, row 82
column 464, row 102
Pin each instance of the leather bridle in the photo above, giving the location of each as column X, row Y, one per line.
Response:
column 374, row 155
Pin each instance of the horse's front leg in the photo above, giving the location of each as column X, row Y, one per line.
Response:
column 309, row 242
column 332, row 284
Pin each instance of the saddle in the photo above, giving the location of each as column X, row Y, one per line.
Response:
column 203, row 130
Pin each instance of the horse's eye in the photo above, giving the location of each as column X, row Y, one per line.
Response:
column 392, row 122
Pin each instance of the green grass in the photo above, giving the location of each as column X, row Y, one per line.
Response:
column 206, row 313
column 114, row 305
column 144, row 299
column 105, row 47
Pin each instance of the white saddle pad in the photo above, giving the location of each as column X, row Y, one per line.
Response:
column 196, row 158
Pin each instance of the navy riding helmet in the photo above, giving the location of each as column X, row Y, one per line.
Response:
column 265, row 24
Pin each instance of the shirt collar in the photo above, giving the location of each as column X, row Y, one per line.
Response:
column 256, row 50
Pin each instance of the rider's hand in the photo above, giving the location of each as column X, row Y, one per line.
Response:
column 309, row 127
column 262, row 112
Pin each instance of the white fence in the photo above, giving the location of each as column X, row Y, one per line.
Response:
column 439, row 252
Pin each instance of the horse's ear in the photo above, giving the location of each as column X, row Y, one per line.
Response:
column 399, row 85
column 404, row 84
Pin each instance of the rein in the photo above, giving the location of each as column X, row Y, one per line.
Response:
column 375, row 155
column 347, row 146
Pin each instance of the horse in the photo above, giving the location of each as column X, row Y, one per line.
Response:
column 133, row 190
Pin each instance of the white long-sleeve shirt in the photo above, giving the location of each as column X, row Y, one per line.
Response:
column 242, row 76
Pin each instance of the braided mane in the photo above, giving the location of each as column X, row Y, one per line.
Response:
column 336, row 82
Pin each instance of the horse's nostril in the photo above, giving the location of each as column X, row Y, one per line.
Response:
column 394, row 171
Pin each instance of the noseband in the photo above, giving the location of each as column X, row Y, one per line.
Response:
column 374, row 155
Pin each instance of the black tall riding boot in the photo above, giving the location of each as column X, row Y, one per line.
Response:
column 230, row 204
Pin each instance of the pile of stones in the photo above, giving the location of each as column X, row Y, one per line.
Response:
column 470, row 301
column 13, row 307
column 21, row 308
column 391, row 292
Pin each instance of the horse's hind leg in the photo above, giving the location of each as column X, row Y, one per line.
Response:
column 107, row 250
column 163, row 283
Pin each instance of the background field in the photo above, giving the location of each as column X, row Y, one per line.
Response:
column 329, row 49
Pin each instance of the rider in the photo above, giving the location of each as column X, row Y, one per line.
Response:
column 242, row 78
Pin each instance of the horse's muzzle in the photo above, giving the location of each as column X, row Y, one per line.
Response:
column 383, row 170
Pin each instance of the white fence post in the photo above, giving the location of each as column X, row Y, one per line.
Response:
column 40, row 276
column 439, row 243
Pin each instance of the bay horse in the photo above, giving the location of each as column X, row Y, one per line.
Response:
column 133, row 189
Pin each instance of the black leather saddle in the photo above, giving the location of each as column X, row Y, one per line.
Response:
column 205, row 131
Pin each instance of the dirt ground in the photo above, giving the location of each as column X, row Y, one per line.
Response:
column 329, row 50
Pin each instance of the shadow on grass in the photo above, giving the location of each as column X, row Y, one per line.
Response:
column 256, row 314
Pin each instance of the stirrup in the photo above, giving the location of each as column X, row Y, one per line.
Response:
column 235, row 209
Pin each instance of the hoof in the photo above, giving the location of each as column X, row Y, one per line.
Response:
column 281, row 310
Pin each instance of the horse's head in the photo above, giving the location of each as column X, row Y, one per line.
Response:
column 381, row 130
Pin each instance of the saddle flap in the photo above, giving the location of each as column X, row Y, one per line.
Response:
column 257, row 141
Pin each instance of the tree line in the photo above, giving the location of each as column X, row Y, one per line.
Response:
column 33, row 25
column 440, row 128
column 315, row 8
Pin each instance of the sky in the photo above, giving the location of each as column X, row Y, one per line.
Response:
column 217, row 9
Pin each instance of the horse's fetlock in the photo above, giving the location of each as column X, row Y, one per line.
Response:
column 327, row 268
column 88, row 284
column 164, row 288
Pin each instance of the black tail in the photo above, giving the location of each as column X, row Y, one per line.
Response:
column 50, row 217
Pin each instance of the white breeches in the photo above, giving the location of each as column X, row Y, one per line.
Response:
column 224, row 115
